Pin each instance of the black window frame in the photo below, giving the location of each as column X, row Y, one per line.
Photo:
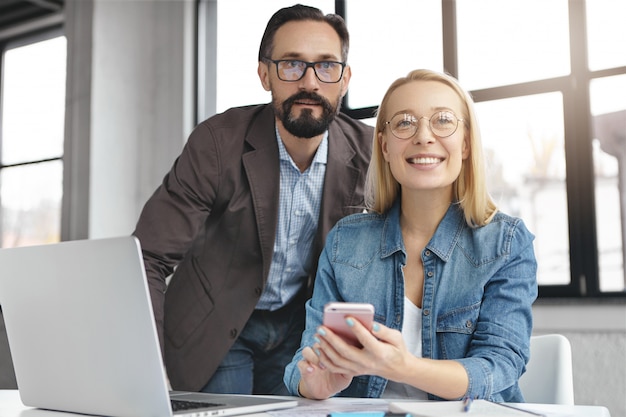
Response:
column 29, row 25
column 583, row 244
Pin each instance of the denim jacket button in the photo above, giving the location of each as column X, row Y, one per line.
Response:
column 427, row 253
column 430, row 274
column 468, row 324
column 426, row 312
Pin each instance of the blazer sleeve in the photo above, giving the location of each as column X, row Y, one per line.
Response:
column 174, row 214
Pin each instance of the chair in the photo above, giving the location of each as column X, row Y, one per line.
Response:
column 548, row 378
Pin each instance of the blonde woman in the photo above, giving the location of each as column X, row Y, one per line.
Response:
column 451, row 278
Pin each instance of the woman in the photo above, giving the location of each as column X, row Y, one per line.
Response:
column 451, row 278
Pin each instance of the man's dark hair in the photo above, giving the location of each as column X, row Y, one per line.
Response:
column 300, row 12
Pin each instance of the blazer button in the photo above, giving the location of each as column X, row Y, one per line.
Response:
column 233, row 333
column 257, row 291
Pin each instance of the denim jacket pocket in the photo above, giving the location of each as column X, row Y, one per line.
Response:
column 455, row 329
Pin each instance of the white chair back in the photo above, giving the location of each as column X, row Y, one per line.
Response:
column 549, row 378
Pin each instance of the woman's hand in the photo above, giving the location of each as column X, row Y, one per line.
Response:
column 316, row 381
column 383, row 352
column 331, row 363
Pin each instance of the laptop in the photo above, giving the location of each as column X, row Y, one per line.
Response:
column 83, row 339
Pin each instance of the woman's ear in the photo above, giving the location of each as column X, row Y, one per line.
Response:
column 383, row 146
column 466, row 146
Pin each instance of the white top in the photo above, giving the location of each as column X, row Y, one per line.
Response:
column 412, row 334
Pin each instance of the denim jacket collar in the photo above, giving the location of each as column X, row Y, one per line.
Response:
column 441, row 244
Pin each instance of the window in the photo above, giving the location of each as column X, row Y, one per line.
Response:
column 31, row 166
column 523, row 142
column 563, row 123
column 549, row 87
column 387, row 42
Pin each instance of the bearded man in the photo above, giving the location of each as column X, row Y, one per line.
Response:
column 241, row 217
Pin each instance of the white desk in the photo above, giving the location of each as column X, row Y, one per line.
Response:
column 11, row 406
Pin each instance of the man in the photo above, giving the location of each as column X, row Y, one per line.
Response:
column 242, row 215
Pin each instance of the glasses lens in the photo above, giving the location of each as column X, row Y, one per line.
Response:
column 328, row 71
column 293, row 70
column 290, row 70
column 443, row 123
column 403, row 125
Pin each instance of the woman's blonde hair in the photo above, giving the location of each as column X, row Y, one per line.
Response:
column 470, row 189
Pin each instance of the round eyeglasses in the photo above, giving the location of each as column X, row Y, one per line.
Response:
column 294, row 70
column 442, row 124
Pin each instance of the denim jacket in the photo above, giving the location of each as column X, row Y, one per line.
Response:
column 479, row 286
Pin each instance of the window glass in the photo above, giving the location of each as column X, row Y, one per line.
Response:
column 606, row 33
column 240, row 26
column 31, row 204
column 389, row 41
column 608, row 110
column 33, row 113
column 33, row 101
column 524, row 150
column 504, row 42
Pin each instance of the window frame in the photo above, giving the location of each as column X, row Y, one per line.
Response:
column 583, row 244
column 20, row 35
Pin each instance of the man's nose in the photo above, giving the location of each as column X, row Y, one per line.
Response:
column 309, row 80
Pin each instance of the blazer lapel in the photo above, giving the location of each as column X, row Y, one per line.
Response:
column 262, row 169
column 340, row 183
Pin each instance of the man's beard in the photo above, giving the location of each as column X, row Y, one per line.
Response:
column 306, row 126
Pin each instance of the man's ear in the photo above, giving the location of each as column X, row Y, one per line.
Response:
column 264, row 75
column 347, row 74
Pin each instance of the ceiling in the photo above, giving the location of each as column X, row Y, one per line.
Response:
column 16, row 12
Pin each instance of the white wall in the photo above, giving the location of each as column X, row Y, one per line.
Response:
column 140, row 103
column 597, row 332
column 129, row 111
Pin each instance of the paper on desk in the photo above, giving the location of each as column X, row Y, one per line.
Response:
column 317, row 408
column 479, row 408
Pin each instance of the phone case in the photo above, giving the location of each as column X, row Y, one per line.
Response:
column 335, row 314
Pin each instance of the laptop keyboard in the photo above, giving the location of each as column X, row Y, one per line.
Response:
column 180, row 405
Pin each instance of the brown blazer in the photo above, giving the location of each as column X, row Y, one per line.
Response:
column 214, row 218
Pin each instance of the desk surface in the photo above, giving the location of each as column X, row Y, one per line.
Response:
column 11, row 406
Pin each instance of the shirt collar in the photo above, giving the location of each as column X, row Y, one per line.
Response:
column 321, row 155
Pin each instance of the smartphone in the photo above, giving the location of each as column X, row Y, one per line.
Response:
column 335, row 314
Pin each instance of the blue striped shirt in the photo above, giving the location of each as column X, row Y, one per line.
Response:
column 299, row 209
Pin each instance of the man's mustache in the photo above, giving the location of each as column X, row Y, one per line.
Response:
column 304, row 95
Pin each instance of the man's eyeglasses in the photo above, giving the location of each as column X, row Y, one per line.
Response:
column 442, row 124
column 294, row 70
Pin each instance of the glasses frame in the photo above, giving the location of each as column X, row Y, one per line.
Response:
column 458, row 120
column 307, row 66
